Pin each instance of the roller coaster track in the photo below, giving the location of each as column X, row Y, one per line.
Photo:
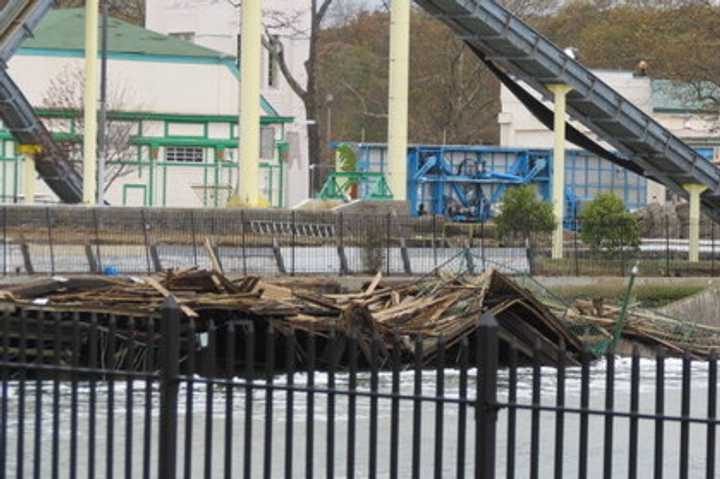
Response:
column 515, row 52
column 18, row 18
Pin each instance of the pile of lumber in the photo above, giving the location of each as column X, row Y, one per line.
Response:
column 449, row 307
column 195, row 290
column 645, row 326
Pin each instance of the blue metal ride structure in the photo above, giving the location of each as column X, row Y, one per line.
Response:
column 463, row 183
column 466, row 183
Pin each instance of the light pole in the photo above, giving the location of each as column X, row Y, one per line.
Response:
column 329, row 99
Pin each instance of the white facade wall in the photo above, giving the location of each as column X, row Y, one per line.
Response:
column 519, row 128
column 167, row 87
column 145, row 86
column 216, row 24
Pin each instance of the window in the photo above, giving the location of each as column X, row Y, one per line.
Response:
column 185, row 36
column 184, row 154
column 267, row 143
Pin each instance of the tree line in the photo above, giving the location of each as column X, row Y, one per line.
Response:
column 453, row 97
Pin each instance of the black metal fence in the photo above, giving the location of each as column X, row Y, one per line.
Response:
column 52, row 240
column 166, row 398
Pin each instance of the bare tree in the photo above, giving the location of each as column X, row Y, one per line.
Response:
column 277, row 25
column 132, row 11
column 65, row 93
column 343, row 10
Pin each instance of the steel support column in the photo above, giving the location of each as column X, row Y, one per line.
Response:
column 398, row 98
column 558, row 179
column 91, row 102
column 695, row 191
column 248, row 193
column 29, row 152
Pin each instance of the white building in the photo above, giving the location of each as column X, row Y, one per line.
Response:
column 669, row 104
column 177, row 103
column 216, row 24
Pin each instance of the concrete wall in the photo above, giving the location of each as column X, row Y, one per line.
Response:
column 701, row 308
column 216, row 24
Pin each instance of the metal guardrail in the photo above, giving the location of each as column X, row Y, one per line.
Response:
column 67, row 240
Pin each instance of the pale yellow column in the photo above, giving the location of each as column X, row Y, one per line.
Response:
column 29, row 174
column 398, row 97
column 248, row 191
column 558, row 179
column 695, row 191
column 91, row 103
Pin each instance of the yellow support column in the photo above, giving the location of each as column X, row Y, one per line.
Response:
column 91, row 103
column 398, row 99
column 248, row 189
column 29, row 174
column 695, row 191
column 558, row 180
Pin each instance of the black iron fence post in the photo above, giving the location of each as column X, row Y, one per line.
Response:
column 169, row 386
column 575, row 244
column 96, row 224
column 667, row 245
column 712, row 248
column 388, row 221
column 342, row 257
column 5, row 243
column 244, row 241
column 482, row 244
column 486, row 409
column 294, row 233
column 48, row 218
column 530, row 248
column 622, row 251
column 194, row 237
column 434, row 240
column 145, row 228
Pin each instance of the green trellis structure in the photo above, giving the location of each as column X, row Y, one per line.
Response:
column 340, row 185
column 150, row 173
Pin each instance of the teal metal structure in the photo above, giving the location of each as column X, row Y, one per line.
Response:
column 466, row 183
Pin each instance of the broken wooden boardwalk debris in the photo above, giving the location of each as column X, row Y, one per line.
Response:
column 448, row 307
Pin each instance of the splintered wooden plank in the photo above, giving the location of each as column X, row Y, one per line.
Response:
column 319, row 300
column 374, row 284
column 166, row 294
column 214, row 261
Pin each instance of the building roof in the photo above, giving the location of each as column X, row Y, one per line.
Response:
column 678, row 97
column 62, row 33
column 64, row 29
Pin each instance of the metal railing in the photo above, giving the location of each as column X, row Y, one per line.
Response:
column 64, row 240
column 111, row 396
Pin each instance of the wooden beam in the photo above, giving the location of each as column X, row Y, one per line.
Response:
column 166, row 294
